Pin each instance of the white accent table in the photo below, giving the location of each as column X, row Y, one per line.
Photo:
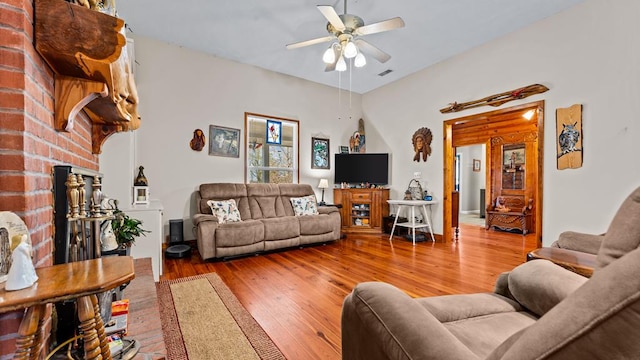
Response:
column 151, row 244
column 413, row 204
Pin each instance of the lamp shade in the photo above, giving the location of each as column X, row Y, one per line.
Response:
column 360, row 60
column 350, row 50
column 324, row 184
column 341, row 65
column 329, row 56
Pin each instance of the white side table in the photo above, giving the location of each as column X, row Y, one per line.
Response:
column 413, row 204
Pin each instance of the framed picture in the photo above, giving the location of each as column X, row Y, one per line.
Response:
column 513, row 156
column 344, row 149
column 476, row 165
column 319, row 153
column 224, row 141
column 274, row 132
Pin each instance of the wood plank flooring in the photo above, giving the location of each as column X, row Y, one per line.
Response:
column 296, row 295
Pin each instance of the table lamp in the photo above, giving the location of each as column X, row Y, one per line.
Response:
column 324, row 184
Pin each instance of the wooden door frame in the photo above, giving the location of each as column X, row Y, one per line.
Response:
column 449, row 159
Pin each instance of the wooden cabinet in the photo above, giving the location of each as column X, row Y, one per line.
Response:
column 362, row 209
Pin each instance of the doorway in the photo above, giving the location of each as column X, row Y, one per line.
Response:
column 497, row 130
column 470, row 183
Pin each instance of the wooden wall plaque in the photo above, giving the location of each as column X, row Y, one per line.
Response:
column 569, row 137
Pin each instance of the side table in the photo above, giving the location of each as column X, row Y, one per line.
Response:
column 80, row 280
column 413, row 204
column 579, row 262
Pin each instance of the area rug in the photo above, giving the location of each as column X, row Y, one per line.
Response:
column 202, row 319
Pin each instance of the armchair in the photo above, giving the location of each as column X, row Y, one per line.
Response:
column 571, row 240
column 538, row 310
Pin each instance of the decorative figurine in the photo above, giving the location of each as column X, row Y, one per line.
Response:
column 141, row 180
column 421, row 141
column 198, row 141
column 22, row 273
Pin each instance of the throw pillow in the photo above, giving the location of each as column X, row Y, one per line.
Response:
column 225, row 210
column 305, row 205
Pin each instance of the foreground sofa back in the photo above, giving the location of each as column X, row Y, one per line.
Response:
column 538, row 311
column 268, row 220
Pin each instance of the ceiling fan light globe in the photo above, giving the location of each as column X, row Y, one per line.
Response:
column 350, row 50
column 360, row 60
column 329, row 56
column 341, row 65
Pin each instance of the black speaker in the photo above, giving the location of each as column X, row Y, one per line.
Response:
column 175, row 231
column 177, row 248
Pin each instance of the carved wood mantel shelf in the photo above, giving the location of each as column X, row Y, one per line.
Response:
column 87, row 51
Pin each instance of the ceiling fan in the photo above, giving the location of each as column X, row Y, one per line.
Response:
column 346, row 31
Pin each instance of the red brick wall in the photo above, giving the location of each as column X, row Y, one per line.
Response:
column 29, row 144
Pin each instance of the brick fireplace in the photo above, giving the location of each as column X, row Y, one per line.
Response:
column 29, row 144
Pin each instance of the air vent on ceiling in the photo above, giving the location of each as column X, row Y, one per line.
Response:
column 386, row 72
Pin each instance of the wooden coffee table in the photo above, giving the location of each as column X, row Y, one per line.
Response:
column 579, row 262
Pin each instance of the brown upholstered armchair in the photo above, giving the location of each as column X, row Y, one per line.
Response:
column 539, row 310
column 577, row 241
column 510, row 213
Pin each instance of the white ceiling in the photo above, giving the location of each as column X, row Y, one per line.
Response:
column 255, row 32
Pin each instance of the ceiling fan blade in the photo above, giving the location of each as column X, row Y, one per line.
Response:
column 330, row 13
column 381, row 26
column 310, row 42
column 369, row 49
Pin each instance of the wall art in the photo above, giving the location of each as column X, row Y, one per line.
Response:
column 569, row 137
column 421, row 141
column 320, row 153
column 224, row 141
column 274, row 132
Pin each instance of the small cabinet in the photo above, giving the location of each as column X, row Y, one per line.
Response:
column 362, row 209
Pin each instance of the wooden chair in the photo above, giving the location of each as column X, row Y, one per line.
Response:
column 510, row 213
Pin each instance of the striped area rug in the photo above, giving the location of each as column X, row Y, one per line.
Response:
column 202, row 319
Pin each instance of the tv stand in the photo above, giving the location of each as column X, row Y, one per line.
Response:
column 362, row 209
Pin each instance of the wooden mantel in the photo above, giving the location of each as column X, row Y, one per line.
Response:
column 87, row 51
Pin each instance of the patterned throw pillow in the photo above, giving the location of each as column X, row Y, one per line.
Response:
column 305, row 205
column 225, row 210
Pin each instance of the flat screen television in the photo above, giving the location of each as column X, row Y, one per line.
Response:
column 362, row 168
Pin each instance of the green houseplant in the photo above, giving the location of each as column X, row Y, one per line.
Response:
column 126, row 229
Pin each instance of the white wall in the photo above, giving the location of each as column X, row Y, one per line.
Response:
column 181, row 90
column 590, row 55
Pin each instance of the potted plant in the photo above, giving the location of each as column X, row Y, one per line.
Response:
column 126, row 230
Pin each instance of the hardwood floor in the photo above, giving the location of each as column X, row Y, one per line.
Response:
column 296, row 295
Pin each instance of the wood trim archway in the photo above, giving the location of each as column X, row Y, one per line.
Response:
column 499, row 126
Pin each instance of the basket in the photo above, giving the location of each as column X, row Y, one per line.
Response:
column 415, row 189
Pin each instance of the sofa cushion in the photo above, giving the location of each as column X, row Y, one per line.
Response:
column 281, row 228
column 623, row 234
column 225, row 210
column 303, row 206
column 315, row 225
column 224, row 191
column 539, row 285
column 264, row 201
column 287, row 191
column 449, row 308
column 239, row 233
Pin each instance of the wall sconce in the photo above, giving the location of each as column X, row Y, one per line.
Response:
column 324, row 184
